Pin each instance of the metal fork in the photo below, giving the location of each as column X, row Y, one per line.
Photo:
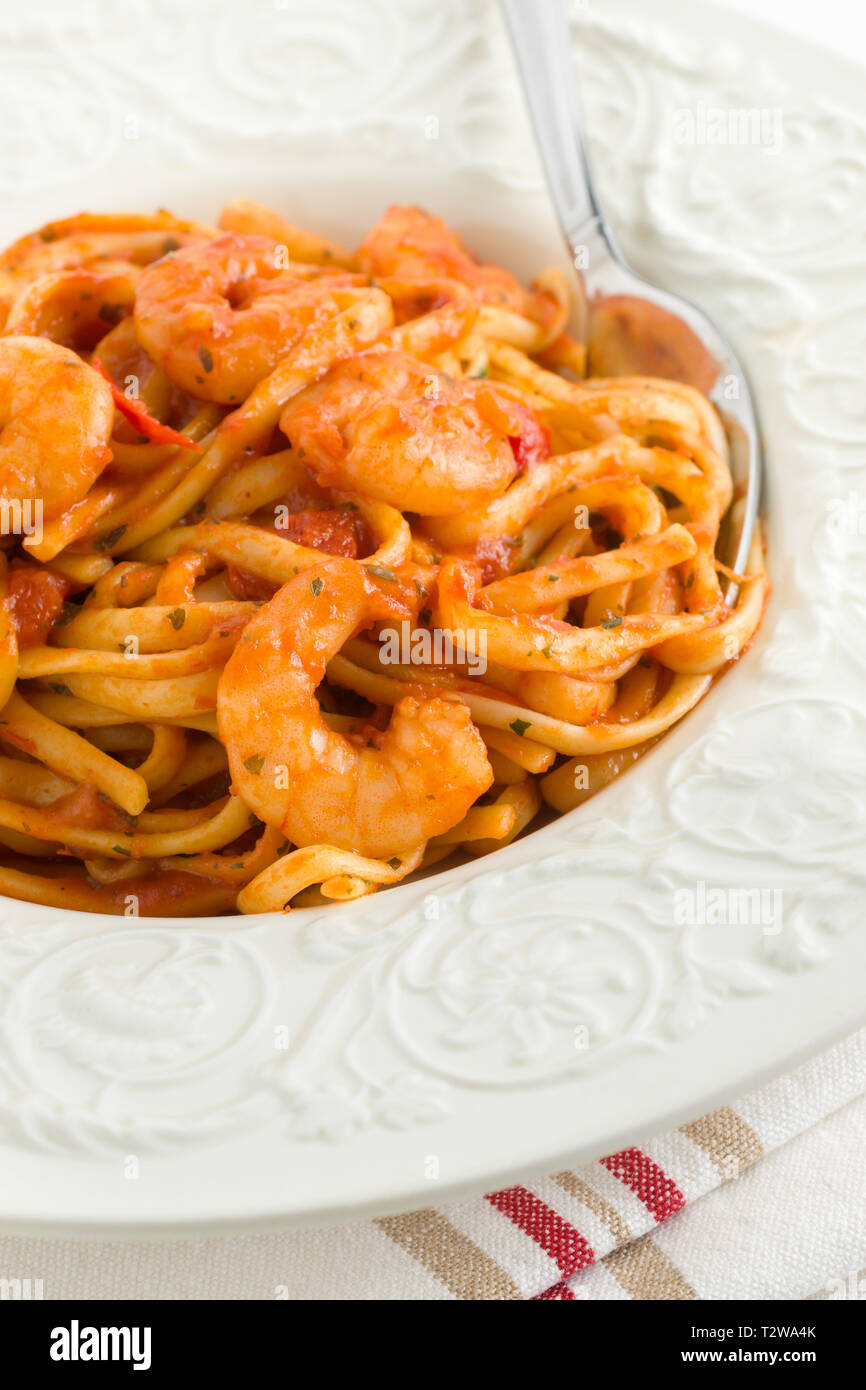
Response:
column 541, row 42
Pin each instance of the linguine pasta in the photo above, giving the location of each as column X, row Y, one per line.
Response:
column 319, row 568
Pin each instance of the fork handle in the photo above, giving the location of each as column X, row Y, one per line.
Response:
column 541, row 41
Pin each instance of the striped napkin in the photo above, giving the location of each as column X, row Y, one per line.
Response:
column 764, row 1199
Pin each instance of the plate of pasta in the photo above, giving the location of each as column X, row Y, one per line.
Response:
column 320, row 568
column 389, row 792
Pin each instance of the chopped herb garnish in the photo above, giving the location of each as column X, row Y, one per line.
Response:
column 613, row 622
column 177, row 618
column 381, row 572
column 205, row 357
column 255, row 764
column 110, row 538
column 317, row 585
column 67, row 613
column 59, row 688
column 394, row 863
column 118, row 849
column 520, row 726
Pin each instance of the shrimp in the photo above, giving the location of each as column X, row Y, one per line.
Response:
column 56, row 415
column 376, row 794
column 110, row 242
column 413, row 245
column 219, row 317
column 393, row 428
column 75, row 308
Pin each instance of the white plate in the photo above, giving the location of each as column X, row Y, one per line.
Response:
column 511, row 1018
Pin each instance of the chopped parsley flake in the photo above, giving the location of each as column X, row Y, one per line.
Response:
column 110, row 538
column 67, row 613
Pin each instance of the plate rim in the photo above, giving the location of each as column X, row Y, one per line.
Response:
column 272, row 1219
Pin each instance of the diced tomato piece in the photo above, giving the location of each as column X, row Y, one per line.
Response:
column 336, row 533
column 36, row 597
column 532, row 444
column 137, row 413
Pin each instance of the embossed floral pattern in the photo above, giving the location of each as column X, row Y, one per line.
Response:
column 525, row 995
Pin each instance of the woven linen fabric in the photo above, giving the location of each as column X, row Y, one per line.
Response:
column 763, row 1199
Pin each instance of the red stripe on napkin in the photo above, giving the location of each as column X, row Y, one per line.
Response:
column 560, row 1293
column 562, row 1242
column 659, row 1193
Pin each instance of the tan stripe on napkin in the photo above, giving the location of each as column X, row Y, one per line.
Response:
column 463, row 1267
column 646, row 1272
column 729, row 1141
column 576, row 1187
